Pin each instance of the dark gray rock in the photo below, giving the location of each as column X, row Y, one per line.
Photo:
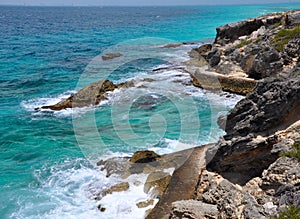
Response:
column 293, row 18
column 292, row 49
column 273, row 105
column 214, row 57
column 231, row 32
column 266, row 63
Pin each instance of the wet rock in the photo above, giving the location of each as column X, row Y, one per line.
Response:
column 157, row 182
column 193, row 210
column 121, row 187
column 145, row 204
column 90, row 95
column 144, row 157
column 102, row 209
column 172, row 45
column 115, row 165
column 110, row 56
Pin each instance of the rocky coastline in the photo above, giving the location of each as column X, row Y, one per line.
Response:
column 254, row 170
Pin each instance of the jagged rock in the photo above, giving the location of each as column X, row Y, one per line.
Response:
column 272, row 106
column 230, row 199
column 266, row 63
column 109, row 56
column 282, row 172
column 145, row 204
column 115, row 165
column 293, row 18
column 144, row 157
column 90, row 95
column 157, row 182
column 288, row 195
column 214, row 57
column 121, row 187
column 202, row 51
column 292, row 49
column 193, row 210
column 231, row 32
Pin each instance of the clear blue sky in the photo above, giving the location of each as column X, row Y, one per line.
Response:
column 136, row 2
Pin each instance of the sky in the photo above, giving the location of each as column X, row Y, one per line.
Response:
column 136, row 2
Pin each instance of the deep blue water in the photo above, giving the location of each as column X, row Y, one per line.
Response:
column 48, row 52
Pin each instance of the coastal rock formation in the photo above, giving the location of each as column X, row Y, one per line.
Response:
column 231, row 32
column 273, row 105
column 253, row 171
column 256, row 48
column 90, row 95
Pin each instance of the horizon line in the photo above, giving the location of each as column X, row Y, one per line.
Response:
column 144, row 5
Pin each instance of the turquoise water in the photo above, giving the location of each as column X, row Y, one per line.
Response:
column 47, row 159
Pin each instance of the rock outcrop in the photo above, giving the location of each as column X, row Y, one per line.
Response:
column 88, row 96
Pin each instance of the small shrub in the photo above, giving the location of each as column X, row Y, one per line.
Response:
column 295, row 152
column 284, row 36
column 290, row 213
column 243, row 43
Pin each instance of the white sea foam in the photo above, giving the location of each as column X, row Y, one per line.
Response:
column 67, row 190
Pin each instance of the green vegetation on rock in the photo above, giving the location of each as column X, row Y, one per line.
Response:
column 290, row 213
column 295, row 152
column 284, row 36
column 243, row 43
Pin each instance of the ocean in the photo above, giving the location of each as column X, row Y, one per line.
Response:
column 48, row 159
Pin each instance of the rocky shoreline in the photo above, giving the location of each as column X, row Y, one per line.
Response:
column 254, row 170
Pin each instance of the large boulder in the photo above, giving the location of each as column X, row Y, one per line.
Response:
column 89, row 95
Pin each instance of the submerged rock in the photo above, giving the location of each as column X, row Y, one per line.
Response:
column 121, row 187
column 109, row 56
column 88, row 96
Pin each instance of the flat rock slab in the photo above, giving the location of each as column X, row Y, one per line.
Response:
column 183, row 183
